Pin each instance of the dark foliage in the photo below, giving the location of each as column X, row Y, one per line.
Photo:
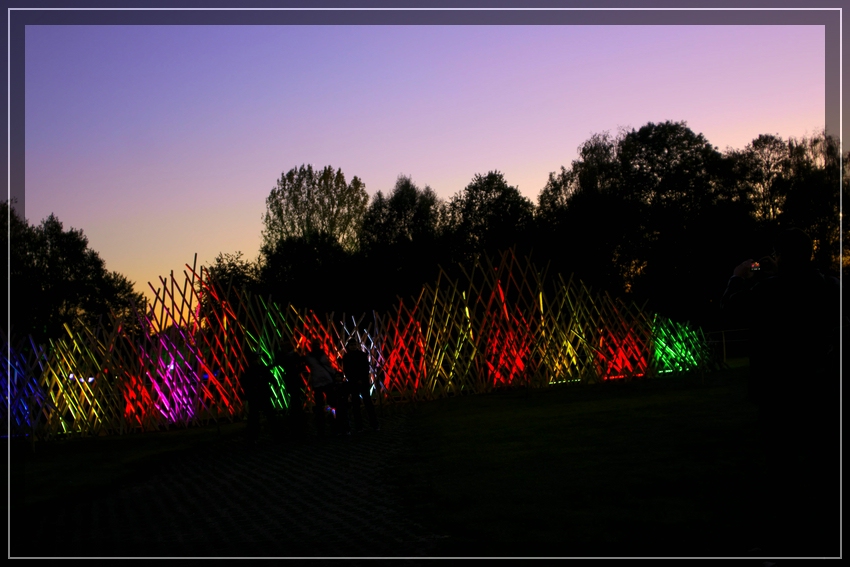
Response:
column 656, row 215
column 57, row 280
column 487, row 216
column 400, row 243
column 313, row 271
column 659, row 215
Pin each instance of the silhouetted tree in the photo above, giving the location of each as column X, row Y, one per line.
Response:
column 669, row 166
column 845, row 198
column 581, row 217
column 764, row 170
column 813, row 199
column 487, row 216
column 595, row 170
column 670, row 179
column 57, row 280
column 400, row 241
column 305, row 203
column 409, row 214
column 232, row 274
column 647, row 213
column 310, row 272
column 232, row 270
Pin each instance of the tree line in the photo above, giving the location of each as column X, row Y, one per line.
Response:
column 656, row 215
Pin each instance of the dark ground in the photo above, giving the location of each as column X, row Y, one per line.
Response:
column 205, row 493
column 658, row 468
column 645, row 469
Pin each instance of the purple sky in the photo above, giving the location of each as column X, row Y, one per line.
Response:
column 160, row 142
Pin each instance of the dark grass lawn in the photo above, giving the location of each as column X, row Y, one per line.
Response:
column 654, row 468
column 80, row 467
column 647, row 468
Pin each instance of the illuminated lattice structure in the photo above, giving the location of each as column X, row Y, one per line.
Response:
column 273, row 330
column 567, row 334
column 180, row 361
column 504, row 319
column 79, row 385
column 191, row 365
column 181, row 367
column 496, row 328
column 677, row 348
column 26, row 404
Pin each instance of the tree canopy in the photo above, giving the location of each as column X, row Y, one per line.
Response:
column 306, row 202
column 488, row 215
column 813, row 197
column 661, row 213
column 764, row 172
column 400, row 241
column 408, row 215
column 58, row 280
column 308, row 271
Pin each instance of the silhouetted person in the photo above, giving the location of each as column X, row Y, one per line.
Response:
column 321, row 382
column 293, row 365
column 355, row 364
column 256, row 383
column 795, row 319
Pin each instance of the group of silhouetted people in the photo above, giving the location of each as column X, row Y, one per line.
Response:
column 794, row 316
column 337, row 395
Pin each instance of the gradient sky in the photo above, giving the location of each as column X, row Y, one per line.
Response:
column 163, row 141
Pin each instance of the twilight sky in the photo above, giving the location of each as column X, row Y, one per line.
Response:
column 163, row 141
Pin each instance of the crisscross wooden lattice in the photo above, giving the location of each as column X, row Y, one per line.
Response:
column 496, row 326
column 27, row 405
